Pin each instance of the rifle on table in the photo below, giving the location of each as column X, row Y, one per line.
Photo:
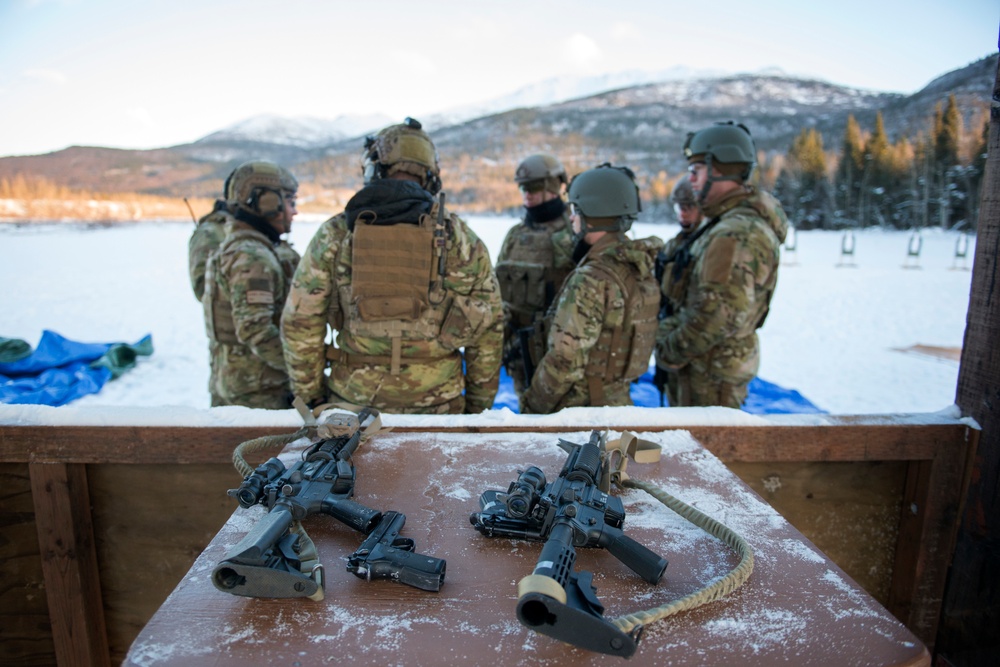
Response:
column 571, row 511
column 268, row 561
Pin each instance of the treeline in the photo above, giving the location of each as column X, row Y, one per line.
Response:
column 933, row 179
column 34, row 198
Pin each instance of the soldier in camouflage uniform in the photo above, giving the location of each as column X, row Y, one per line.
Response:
column 602, row 325
column 536, row 257
column 407, row 289
column 246, row 283
column 206, row 238
column 689, row 216
column 722, row 277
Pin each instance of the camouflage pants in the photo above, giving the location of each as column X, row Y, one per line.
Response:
column 266, row 400
column 686, row 388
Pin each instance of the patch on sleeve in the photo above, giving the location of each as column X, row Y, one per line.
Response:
column 717, row 267
column 259, row 292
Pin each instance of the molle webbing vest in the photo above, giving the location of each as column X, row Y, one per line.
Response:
column 622, row 352
column 219, row 307
column 528, row 279
column 396, row 288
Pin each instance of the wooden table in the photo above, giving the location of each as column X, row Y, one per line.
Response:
column 797, row 608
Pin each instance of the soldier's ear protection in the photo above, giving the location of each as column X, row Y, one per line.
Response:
column 266, row 202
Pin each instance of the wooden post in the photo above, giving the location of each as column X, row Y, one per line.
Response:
column 69, row 563
column 970, row 622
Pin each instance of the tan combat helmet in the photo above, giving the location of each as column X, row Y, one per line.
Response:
column 544, row 168
column 259, row 187
column 404, row 147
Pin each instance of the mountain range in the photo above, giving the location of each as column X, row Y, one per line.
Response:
column 633, row 118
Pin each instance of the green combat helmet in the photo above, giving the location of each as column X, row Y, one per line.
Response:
column 404, row 147
column 541, row 167
column 259, row 187
column 726, row 146
column 606, row 199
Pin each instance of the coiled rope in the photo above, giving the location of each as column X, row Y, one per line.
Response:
column 736, row 578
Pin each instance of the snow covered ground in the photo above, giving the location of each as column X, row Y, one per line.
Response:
column 834, row 333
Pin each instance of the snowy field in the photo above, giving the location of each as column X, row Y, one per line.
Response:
column 834, row 333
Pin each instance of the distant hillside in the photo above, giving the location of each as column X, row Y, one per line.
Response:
column 643, row 126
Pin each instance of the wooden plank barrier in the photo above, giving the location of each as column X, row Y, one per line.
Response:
column 108, row 519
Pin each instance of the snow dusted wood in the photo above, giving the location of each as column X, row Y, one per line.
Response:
column 69, row 562
column 798, row 607
column 132, row 466
column 969, row 632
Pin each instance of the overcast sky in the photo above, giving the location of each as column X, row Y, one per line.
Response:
column 152, row 73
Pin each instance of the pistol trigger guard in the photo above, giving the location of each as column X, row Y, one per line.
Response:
column 404, row 544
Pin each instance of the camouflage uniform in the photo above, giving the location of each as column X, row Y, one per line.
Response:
column 533, row 262
column 246, row 284
column 666, row 262
column 463, row 311
column 720, row 290
column 207, row 236
column 583, row 366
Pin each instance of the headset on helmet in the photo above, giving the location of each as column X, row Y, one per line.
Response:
column 404, row 147
column 259, row 187
column 605, row 193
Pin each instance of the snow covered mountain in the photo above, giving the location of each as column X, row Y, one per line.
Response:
column 561, row 89
column 302, row 131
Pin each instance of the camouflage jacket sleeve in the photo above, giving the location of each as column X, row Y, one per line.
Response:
column 719, row 299
column 575, row 329
column 304, row 319
column 256, row 285
column 473, row 276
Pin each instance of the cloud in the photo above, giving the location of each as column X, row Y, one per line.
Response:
column 46, row 76
column 582, row 50
column 413, row 62
column 142, row 115
column 623, row 31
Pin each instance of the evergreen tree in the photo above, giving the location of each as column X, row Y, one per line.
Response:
column 951, row 184
column 948, row 135
column 850, row 169
column 803, row 185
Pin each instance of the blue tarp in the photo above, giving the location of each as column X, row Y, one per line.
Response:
column 763, row 398
column 60, row 370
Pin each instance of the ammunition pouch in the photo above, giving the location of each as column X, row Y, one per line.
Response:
column 523, row 286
